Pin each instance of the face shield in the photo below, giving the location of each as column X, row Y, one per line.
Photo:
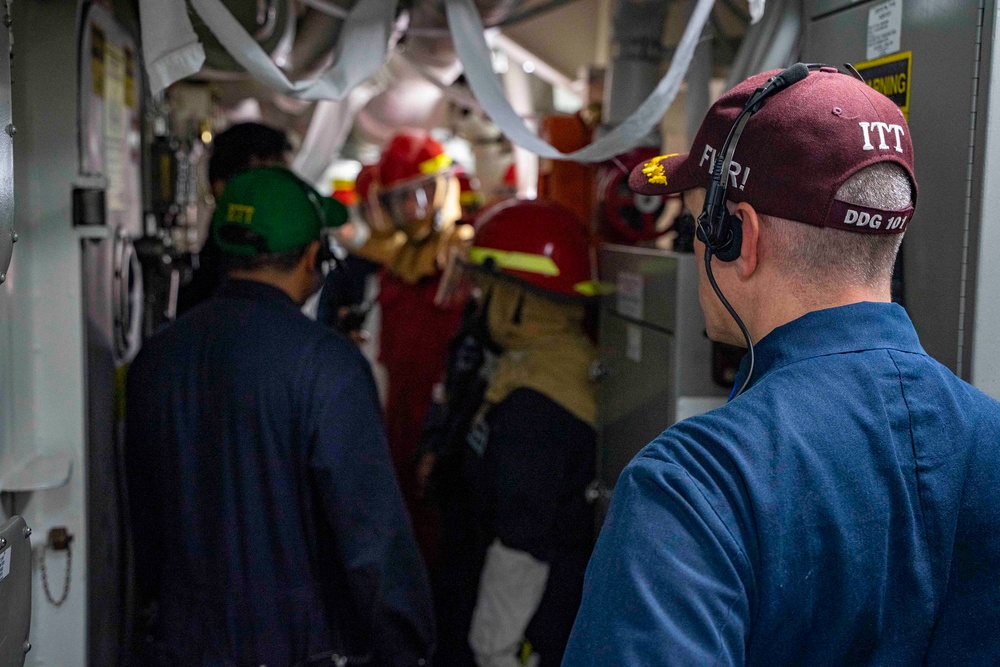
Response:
column 415, row 207
column 458, row 280
column 370, row 212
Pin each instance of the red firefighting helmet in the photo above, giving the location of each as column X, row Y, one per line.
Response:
column 414, row 183
column 538, row 242
column 411, row 155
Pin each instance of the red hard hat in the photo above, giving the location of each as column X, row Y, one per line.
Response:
column 366, row 177
column 411, row 154
column 537, row 241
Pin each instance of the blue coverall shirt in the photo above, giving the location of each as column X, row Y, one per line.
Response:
column 267, row 522
column 844, row 510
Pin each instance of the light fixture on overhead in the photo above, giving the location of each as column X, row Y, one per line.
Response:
column 528, row 66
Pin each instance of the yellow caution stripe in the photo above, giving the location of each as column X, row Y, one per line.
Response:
column 515, row 261
column 435, row 164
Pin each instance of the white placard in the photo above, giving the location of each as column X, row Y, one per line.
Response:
column 5, row 563
column 633, row 342
column 885, row 23
column 629, row 291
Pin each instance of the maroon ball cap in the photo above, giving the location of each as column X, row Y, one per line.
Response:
column 796, row 152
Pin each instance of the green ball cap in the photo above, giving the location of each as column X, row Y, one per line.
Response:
column 271, row 210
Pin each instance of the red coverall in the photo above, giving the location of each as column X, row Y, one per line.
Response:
column 413, row 349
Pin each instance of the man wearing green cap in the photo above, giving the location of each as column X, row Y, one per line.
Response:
column 268, row 527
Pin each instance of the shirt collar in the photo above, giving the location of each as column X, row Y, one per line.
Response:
column 231, row 288
column 852, row 328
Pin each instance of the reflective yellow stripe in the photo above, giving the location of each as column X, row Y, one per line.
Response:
column 470, row 198
column 435, row 164
column 593, row 288
column 515, row 261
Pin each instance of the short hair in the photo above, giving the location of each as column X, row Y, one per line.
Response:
column 284, row 262
column 234, row 149
column 819, row 255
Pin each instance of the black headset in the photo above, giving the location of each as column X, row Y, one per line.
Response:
column 720, row 230
column 330, row 252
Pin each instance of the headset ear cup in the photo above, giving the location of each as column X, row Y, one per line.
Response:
column 732, row 239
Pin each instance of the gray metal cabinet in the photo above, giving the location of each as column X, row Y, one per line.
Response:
column 951, row 46
column 655, row 360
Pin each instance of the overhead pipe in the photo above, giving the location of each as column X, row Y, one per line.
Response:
column 699, row 78
column 637, row 57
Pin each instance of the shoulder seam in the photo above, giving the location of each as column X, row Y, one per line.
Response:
column 913, row 448
column 836, row 354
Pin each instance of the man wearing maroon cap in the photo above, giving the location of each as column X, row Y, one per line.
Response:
column 842, row 507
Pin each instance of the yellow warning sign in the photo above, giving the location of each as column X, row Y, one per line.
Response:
column 890, row 76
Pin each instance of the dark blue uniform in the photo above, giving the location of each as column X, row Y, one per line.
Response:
column 268, row 525
column 539, row 460
column 842, row 511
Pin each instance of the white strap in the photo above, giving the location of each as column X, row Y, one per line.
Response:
column 172, row 50
column 169, row 44
column 361, row 49
column 327, row 8
column 470, row 44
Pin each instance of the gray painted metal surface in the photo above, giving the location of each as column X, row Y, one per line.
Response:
column 655, row 358
column 7, row 130
column 986, row 318
column 15, row 591
column 940, row 251
column 46, row 346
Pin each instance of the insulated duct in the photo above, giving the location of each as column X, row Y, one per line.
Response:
column 420, row 71
column 266, row 20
